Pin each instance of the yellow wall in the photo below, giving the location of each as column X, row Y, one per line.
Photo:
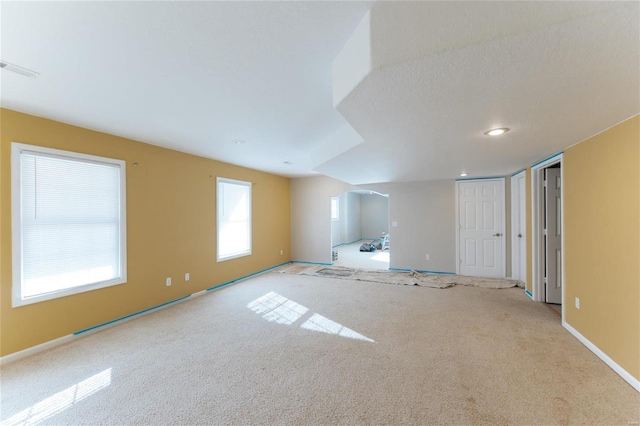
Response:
column 171, row 230
column 602, row 241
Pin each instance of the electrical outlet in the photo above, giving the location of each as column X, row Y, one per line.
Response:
column 168, row 281
column 281, row 252
column 577, row 303
column 427, row 257
column 186, row 276
column 394, row 224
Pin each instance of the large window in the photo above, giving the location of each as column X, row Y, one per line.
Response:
column 234, row 218
column 68, row 223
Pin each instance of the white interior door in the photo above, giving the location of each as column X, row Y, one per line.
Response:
column 481, row 228
column 553, row 240
column 518, row 228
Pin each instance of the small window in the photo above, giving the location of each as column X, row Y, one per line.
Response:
column 69, row 233
column 234, row 219
column 335, row 208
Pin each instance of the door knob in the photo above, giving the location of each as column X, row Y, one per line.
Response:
column 519, row 235
column 497, row 235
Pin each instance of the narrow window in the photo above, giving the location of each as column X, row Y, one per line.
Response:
column 335, row 208
column 234, row 219
column 69, row 233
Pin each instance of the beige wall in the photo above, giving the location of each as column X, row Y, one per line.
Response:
column 602, row 241
column 171, row 230
column 347, row 228
column 375, row 215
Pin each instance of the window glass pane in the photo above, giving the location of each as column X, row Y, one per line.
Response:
column 70, row 223
column 234, row 218
column 334, row 208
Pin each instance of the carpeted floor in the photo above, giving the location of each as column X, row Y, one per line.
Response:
column 291, row 349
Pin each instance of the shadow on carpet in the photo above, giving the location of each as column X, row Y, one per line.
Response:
column 397, row 278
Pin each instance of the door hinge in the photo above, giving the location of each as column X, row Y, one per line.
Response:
column 545, row 232
column 545, row 183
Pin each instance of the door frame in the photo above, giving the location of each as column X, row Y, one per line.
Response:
column 515, row 217
column 504, row 224
column 537, row 227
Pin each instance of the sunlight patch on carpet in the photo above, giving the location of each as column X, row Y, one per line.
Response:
column 60, row 401
column 276, row 308
column 324, row 325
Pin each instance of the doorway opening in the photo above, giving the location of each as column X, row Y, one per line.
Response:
column 360, row 220
column 547, row 230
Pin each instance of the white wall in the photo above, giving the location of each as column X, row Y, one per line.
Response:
column 425, row 217
column 424, row 211
column 348, row 226
column 375, row 215
column 311, row 217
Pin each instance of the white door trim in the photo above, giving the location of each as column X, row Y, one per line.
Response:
column 502, row 190
column 537, row 228
column 515, row 218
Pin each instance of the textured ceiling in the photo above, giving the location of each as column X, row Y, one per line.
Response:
column 401, row 93
column 191, row 76
column 564, row 73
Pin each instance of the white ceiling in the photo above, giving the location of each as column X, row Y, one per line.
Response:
column 425, row 79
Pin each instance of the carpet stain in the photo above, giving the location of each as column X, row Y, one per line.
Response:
column 561, row 410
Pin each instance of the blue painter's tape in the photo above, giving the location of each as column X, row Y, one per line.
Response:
column 131, row 315
column 482, row 178
column 175, row 300
column 518, row 172
column 436, row 272
column 311, row 263
column 528, row 293
column 547, row 159
column 215, row 287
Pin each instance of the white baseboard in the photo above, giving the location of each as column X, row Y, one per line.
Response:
column 635, row 383
column 36, row 349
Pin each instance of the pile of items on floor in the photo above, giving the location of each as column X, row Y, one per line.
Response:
column 374, row 245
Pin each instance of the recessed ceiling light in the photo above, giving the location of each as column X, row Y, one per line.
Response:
column 238, row 141
column 496, row 132
column 463, row 174
column 18, row 70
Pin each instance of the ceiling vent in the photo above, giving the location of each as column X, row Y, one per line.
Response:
column 19, row 70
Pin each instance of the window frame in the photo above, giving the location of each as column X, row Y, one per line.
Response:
column 337, row 200
column 248, row 252
column 17, row 149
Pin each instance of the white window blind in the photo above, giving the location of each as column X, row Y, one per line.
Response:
column 234, row 218
column 71, row 223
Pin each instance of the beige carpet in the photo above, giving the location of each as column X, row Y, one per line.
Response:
column 293, row 349
column 397, row 277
